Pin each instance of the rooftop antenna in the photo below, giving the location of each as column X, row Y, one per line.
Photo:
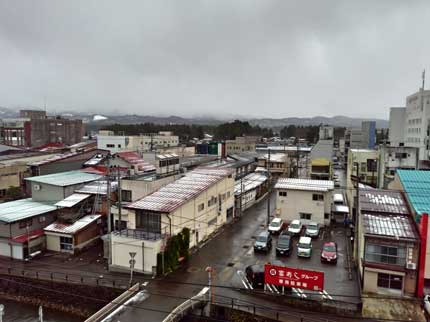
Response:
column 424, row 78
column 44, row 102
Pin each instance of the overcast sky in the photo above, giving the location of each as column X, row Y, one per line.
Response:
column 251, row 58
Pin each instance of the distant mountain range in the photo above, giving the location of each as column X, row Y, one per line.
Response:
column 100, row 120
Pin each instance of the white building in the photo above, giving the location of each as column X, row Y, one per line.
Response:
column 326, row 132
column 201, row 201
column 146, row 142
column 304, row 199
column 410, row 125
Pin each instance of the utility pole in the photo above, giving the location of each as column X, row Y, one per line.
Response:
column 209, row 270
column 241, row 194
column 109, row 220
column 119, row 201
column 270, row 184
column 357, row 212
column 132, row 262
column 40, row 313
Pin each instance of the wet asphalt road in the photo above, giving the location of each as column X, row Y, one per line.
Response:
column 231, row 251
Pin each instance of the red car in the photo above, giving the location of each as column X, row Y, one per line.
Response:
column 329, row 253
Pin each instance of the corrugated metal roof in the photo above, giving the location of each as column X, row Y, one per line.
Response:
column 24, row 208
column 416, row 184
column 386, row 201
column 249, row 182
column 175, row 194
column 62, row 228
column 98, row 187
column 396, row 226
column 54, row 158
column 68, row 178
column 72, row 200
column 304, row 184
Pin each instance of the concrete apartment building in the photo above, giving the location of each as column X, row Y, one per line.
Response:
column 409, row 126
column 145, row 142
column 326, row 132
column 202, row 200
column 241, row 144
column 35, row 128
column 361, row 138
column 388, row 244
column 304, row 199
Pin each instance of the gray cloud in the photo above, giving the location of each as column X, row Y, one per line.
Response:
column 250, row 57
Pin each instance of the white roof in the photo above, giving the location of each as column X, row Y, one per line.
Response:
column 249, row 182
column 305, row 240
column 72, row 200
column 22, row 209
column 276, row 220
column 62, row 228
column 304, row 184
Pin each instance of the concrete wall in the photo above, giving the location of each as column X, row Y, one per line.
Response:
column 53, row 242
column 49, row 192
column 10, row 176
column 119, row 143
column 297, row 202
column 146, row 253
column 142, row 188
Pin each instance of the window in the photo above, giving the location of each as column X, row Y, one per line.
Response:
column 212, row 221
column 123, row 225
column 212, row 201
column 371, row 165
column 148, row 221
column 317, row 197
column 110, row 145
column 42, row 219
column 119, row 145
column 385, row 254
column 201, row 207
column 305, row 216
column 25, row 223
column 363, row 167
column 390, row 281
column 126, row 195
column 326, row 216
column 66, row 243
column 228, row 194
column 282, row 193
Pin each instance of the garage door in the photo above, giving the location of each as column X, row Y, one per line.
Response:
column 4, row 249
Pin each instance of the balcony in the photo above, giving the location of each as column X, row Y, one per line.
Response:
column 139, row 234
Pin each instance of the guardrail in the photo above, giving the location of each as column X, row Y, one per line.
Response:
column 95, row 280
column 180, row 311
column 111, row 306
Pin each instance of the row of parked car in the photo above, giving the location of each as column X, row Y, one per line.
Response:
column 284, row 245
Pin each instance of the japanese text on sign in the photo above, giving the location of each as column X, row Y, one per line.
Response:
column 293, row 277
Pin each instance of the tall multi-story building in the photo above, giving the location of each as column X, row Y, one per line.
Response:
column 409, row 126
column 326, row 132
column 34, row 128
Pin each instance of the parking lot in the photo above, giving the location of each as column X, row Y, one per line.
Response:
column 339, row 284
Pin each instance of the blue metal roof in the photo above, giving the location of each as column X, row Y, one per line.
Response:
column 22, row 209
column 416, row 184
column 67, row 178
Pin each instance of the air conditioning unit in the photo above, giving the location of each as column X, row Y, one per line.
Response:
column 411, row 266
column 36, row 187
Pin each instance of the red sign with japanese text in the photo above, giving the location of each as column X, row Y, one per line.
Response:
column 293, row 277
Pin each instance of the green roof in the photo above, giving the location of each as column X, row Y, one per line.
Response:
column 416, row 184
column 22, row 209
column 68, row 178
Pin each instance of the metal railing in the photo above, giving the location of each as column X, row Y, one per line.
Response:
column 188, row 306
column 138, row 234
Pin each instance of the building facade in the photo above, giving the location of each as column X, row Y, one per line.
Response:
column 241, row 144
column 304, row 199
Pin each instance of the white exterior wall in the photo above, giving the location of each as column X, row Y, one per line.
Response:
column 297, row 202
column 146, row 253
column 105, row 141
column 396, row 132
column 53, row 242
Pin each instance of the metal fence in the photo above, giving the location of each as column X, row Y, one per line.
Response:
column 72, row 278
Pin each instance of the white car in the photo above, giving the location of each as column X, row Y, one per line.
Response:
column 295, row 227
column 427, row 303
column 304, row 247
column 276, row 226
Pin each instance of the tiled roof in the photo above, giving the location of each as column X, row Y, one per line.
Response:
column 62, row 228
column 68, row 178
column 22, row 209
column 396, row 226
column 175, row 194
column 385, row 201
column 304, row 184
column 416, row 184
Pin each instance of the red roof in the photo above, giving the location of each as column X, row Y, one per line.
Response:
column 96, row 169
column 32, row 234
column 135, row 159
